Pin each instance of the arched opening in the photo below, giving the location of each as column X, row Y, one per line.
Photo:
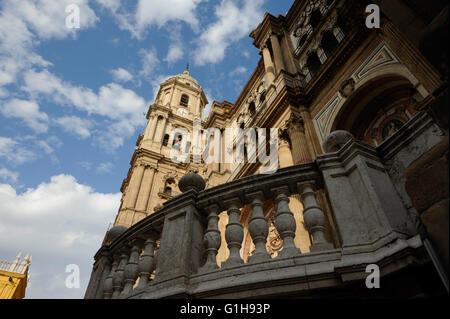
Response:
column 328, row 43
column 302, row 40
column 252, row 108
column 315, row 18
column 262, row 97
column 313, row 63
column 184, row 101
column 165, row 140
column 377, row 110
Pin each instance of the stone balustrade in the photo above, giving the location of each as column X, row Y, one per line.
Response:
column 173, row 252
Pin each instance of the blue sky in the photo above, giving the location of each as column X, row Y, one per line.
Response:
column 72, row 103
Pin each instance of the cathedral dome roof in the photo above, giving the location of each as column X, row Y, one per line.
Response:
column 186, row 78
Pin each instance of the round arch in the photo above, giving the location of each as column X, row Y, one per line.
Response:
column 392, row 70
column 377, row 108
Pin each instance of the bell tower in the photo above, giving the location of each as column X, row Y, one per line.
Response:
column 153, row 175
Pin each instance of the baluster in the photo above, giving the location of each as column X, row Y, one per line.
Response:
column 108, row 285
column 118, row 275
column 314, row 217
column 259, row 229
column 285, row 223
column 234, row 233
column 131, row 269
column 99, row 294
column 212, row 239
column 147, row 263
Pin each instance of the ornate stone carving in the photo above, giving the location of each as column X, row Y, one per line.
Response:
column 347, row 87
column 295, row 123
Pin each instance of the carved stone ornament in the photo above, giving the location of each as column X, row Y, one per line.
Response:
column 347, row 87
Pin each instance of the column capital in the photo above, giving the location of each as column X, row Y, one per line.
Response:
column 295, row 123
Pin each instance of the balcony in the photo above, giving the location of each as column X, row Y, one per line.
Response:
column 172, row 253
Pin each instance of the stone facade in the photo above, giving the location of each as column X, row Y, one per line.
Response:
column 362, row 153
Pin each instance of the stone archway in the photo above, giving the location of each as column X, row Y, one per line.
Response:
column 379, row 108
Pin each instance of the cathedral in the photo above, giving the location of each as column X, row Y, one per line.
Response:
column 352, row 114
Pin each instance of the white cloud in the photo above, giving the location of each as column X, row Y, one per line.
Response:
column 105, row 168
column 153, row 12
column 28, row 111
column 121, row 75
column 150, row 61
column 174, row 54
column 15, row 153
column 76, row 125
column 233, row 23
column 238, row 70
column 60, row 222
column 176, row 49
column 23, row 23
column 8, row 176
column 123, row 107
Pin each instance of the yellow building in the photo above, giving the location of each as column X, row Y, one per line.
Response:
column 14, row 277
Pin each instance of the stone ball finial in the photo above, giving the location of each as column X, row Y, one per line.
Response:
column 336, row 140
column 191, row 181
column 116, row 231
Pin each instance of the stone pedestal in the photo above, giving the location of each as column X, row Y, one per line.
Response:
column 366, row 206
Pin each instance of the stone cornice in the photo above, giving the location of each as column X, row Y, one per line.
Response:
column 268, row 26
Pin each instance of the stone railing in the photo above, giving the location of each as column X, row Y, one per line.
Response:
column 172, row 253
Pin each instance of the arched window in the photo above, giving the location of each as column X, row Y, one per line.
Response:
column 315, row 18
column 313, row 63
column 328, row 42
column 165, row 140
column 184, row 100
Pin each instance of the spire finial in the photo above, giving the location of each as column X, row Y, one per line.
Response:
column 187, row 67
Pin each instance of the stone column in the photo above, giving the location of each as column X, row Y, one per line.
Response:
column 268, row 64
column 161, row 130
column 310, row 131
column 151, row 128
column 134, row 186
column 284, row 151
column 296, row 130
column 146, row 185
column 278, row 55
